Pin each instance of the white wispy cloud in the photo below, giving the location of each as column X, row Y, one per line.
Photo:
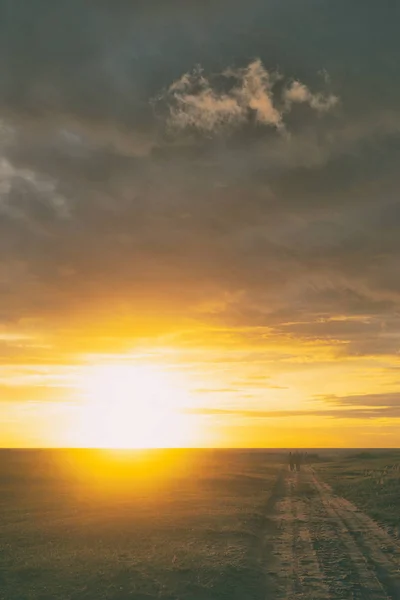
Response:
column 37, row 187
column 298, row 93
column 194, row 103
column 210, row 104
column 255, row 92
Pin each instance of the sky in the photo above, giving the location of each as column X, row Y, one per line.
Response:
column 199, row 223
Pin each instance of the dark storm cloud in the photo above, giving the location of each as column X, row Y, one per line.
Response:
column 106, row 59
column 266, row 177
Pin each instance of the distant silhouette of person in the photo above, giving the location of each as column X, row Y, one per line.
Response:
column 291, row 461
column 298, row 461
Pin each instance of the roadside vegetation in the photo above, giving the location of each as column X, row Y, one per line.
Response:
column 371, row 480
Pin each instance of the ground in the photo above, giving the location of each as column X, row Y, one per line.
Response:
column 198, row 525
column 326, row 548
column 371, row 479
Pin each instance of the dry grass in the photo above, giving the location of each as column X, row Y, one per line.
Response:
column 79, row 525
column 371, row 480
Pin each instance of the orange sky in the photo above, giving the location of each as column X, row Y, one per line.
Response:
column 199, row 225
column 199, row 387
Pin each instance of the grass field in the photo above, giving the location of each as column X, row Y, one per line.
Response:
column 371, row 480
column 179, row 525
column 87, row 525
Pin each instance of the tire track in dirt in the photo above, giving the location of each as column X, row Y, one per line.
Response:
column 373, row 549
column 326, row 549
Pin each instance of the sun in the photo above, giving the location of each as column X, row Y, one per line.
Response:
column 132, row 406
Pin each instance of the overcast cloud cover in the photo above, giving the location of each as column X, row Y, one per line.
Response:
column 234, row 164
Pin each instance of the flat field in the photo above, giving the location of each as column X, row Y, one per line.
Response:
column 98, row 525
column 198, row 525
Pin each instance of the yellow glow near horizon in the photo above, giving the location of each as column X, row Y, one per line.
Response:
column 133, row 406
column 163, row 397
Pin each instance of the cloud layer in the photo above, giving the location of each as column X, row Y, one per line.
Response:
column 254, row 196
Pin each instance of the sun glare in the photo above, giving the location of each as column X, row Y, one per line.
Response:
column 129, row 406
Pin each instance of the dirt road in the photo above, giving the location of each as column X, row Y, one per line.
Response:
column 327, row 549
